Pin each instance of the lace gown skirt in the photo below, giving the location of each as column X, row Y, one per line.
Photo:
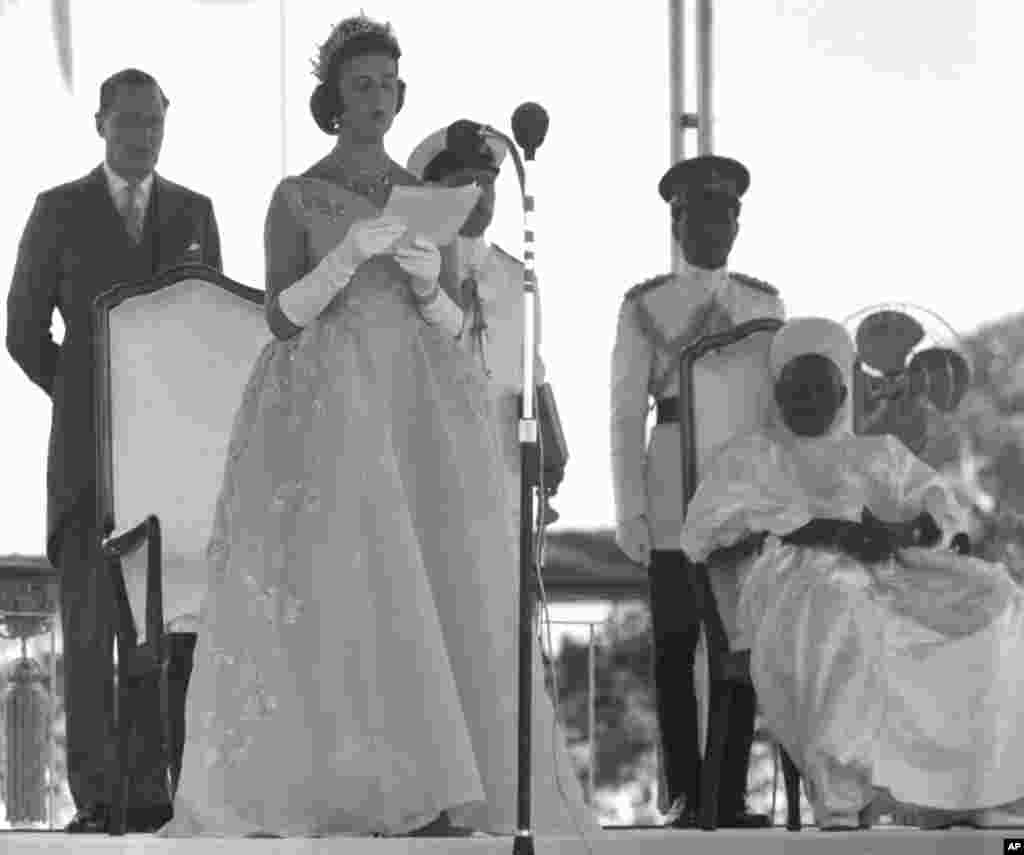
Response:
column 355, row 666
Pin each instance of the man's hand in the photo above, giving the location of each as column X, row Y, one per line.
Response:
column 634, row 538
column 961, row 544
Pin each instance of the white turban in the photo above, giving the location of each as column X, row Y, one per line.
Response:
column 812, row 335
column 824, row 337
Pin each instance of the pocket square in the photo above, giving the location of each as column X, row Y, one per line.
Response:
column 194, row 247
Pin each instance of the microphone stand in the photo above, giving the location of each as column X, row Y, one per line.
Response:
column 530, row 473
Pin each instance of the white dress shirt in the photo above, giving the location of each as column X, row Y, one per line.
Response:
column 116, row 185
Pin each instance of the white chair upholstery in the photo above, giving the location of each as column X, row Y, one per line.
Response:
column 731, row 389
column 179, row 359
column 731, row 392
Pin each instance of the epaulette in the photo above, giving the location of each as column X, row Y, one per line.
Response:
column 751, row 282
column 647, row 285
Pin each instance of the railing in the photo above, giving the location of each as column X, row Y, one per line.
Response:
column 766, row 794
column 29, row 703
column 591, row 696
column 28, row 595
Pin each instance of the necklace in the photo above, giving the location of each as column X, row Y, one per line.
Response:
column 365, row 184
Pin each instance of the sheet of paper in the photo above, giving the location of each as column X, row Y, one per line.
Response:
column 437, row 213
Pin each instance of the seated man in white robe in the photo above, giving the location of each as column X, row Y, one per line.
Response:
column 882, row 658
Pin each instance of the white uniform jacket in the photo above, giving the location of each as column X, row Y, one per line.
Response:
column 657, row 319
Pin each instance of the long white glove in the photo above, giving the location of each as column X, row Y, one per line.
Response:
column 422, row 261
column 634, row 538
column 303, row 301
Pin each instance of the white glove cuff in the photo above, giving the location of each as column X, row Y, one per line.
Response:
column 443, row 312
column 303, row 301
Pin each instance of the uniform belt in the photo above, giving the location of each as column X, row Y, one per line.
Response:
column 668, row 411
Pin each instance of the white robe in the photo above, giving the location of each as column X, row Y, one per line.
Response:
column 902, row 675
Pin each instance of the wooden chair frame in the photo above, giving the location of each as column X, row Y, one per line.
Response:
column 138, row 666
column 726, row 668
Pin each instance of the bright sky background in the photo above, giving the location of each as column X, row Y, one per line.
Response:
column 880, row 156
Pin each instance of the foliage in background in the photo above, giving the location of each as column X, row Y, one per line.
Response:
column 980, row 447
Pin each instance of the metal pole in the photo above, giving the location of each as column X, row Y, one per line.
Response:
column 705, row 75
column 677, row 103
column 118, row 822
column 283, row 82
column 529, row 469
column 530, row 477
column 591, row 716
column 52, row 739
column 677, row 79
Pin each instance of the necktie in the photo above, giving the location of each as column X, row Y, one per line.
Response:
column 130, row 208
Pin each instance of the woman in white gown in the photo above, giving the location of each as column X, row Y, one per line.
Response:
column 355, row 670
column 898, row 670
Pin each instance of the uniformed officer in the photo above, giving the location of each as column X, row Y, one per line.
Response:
column 488, row 283
column 657, row 319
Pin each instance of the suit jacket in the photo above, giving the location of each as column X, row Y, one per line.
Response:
column 74, row 247
column 657, row 319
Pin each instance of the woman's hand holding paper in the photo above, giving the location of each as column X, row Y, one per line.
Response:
column 367, row 238
column 422, row 261
column 304, row 300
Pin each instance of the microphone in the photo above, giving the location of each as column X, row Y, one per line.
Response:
column 529, row 126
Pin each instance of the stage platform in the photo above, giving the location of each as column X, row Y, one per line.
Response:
column 876, row 841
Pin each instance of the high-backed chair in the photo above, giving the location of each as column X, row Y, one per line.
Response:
column 173, row 357
column 724, row 383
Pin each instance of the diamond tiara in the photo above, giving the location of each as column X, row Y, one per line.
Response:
column 344, row 32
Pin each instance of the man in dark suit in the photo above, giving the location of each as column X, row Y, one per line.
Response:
column 120, row 223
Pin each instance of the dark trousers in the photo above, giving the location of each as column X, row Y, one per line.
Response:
column 87, row 623
column 182, row 649
column 676, row 629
